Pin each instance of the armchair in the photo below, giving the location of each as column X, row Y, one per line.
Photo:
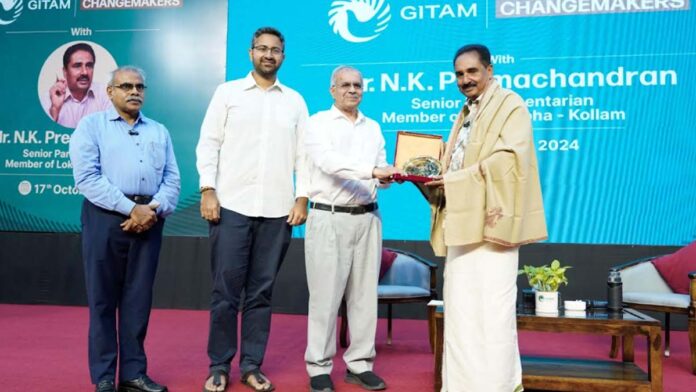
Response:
column 410, row 279
column 644, row 289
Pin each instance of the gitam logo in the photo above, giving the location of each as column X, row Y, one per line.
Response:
column 345, row 12
column 10, row 10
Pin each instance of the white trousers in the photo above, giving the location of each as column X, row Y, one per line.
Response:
column 480, row 343
column 342, row 256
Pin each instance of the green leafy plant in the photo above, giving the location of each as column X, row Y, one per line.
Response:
column 545, row 278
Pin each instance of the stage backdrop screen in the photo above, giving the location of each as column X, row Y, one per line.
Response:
column 179, row 43
column 609, row 85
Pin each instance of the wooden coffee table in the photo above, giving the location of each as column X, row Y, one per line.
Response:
column 564, row 374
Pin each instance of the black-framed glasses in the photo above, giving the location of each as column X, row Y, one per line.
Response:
column 265, row 49
column 129, row 87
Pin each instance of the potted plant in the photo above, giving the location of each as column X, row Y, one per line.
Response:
column 545, row 281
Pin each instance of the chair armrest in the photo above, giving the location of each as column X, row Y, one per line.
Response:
column 633, row 262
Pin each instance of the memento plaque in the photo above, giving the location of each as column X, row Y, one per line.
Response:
column 418, row 155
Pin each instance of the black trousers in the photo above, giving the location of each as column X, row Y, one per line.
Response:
column 246, row 254
column 120, row 269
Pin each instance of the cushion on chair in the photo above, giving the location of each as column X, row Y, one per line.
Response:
column 675, row 268
column 388, row 257
column 643, row 278
column 660, row 299
column 393, row 291
column 407, row 271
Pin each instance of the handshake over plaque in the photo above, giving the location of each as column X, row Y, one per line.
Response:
column 418, row 155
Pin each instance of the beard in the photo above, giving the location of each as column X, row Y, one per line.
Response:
column 266, row 72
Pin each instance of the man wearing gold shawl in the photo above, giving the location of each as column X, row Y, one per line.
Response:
column 487, row 204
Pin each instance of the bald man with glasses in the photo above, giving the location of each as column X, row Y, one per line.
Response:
column 124, row 165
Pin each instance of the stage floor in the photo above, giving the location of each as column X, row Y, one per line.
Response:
column 45, row 348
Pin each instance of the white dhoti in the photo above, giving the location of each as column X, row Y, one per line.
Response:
column 481, row 353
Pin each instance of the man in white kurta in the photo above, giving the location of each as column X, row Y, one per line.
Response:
column 487, row 204
column 344, row 233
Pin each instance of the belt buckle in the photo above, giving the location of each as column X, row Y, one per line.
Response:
column 141, row 199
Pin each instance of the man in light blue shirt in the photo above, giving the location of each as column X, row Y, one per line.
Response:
column 124, row 165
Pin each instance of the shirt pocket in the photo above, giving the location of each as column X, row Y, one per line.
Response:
column 233, row 114
column 284, row 117
column 157, row 154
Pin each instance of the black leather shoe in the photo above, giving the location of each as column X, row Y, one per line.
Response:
column 367, row 380
column 141, row 384
column 105, row 386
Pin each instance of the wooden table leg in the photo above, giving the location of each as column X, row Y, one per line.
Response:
column 439, row 342
column 655, row 359
column 627, row 344
column 614, row 350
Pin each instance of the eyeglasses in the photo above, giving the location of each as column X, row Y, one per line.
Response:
column 129, row 86
column 347, row 86
column 265, row 49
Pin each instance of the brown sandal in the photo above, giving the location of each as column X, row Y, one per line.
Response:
column 260, row 379
column 217, row 375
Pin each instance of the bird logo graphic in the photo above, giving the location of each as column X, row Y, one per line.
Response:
column 367, row 19
column 10, row 11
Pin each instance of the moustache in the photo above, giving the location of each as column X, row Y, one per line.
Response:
column 134, row 99
column 467, row 85
column 83, row 78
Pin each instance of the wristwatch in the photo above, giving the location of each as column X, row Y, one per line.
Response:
column 206, row 188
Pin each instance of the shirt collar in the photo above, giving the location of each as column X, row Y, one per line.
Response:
column 90, row 93
column 478, row 101
column 335, row 113
column 474, row 102
column 113, row 115
column 249, row 83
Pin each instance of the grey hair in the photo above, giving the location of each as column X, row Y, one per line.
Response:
column 126, row 68
column 340, row 69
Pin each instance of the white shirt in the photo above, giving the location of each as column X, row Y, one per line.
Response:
column 251, row 142
column 342, row 155
column 463, row 138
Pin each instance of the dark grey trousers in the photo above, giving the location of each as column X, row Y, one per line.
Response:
column 246, row 254
column 120, row 269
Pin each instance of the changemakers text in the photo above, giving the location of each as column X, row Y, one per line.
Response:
column 128, row 4
column 531, row 8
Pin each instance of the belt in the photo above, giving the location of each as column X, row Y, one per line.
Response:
column 140, row 199
column 353, row 210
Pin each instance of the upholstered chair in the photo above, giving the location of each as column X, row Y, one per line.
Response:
column 645, row 289
column 410, row 278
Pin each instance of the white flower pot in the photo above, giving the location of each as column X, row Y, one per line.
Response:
column 546, row 301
